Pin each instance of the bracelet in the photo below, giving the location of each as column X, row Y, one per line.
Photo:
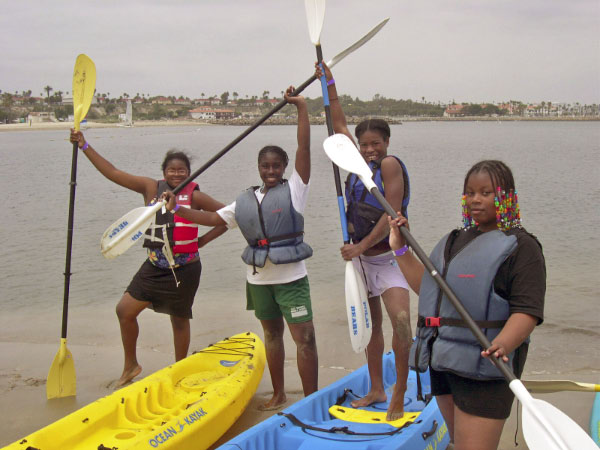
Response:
column 85, row 146
column 330, row 82
column 401, row 251
column 332, row 98
column 174, row 210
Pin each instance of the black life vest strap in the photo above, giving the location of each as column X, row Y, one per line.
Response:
column 282, row 237
column 343, row 430
column 453, row 322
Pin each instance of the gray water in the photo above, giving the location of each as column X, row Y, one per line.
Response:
column 556, row 167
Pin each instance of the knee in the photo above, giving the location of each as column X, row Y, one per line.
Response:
column 273, row 335
column 180, row 323
column 306, row 340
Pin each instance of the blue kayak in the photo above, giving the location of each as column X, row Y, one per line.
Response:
column 595, row 420
column 326, row 420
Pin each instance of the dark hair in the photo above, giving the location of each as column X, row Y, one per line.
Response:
column 378, row 125
column 499, row 172
column 274, row 149
column 176, row 154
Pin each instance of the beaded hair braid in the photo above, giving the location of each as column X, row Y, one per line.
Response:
column 508, row 214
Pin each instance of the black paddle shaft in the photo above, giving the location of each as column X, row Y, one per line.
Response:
column 248, row 130
column 72, row 184
column 330, row 132
column 483, row 340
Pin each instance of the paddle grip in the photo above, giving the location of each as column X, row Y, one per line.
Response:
column 72, row 184
column 464, row 314
column 330, row 132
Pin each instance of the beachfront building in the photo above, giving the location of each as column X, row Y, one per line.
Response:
column 41, row 116
column 454, row 111
column 207, row 113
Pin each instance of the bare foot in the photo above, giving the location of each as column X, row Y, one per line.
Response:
column 276, row 402
column 369, row 399
column 396, row 409
column 128, row 375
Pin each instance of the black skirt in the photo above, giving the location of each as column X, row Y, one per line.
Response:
column 158, row 286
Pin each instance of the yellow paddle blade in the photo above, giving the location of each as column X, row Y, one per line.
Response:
column 84, row 86
column 364, row 416
column 61, row 377
column 545, row 386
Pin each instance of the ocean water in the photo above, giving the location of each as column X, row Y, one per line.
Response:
column 556, row 167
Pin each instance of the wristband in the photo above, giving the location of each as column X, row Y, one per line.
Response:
column 85, row 146
column 174, row 210
column 401, row 251
column 330, row 82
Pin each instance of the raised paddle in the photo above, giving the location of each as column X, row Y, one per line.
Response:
column 544, row 426
column 61, row 380
column 126, row 231
column 357, row 299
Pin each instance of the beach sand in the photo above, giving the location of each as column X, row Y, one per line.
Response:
column 24, row 368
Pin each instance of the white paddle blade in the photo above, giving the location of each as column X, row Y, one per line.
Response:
column 366, row 310
column 128, row 230
column 315, row 14
column 546, row 427
column 366, row 38
column 342, row 151
column 357, row 323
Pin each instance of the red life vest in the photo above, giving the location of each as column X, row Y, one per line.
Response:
column 182, row 234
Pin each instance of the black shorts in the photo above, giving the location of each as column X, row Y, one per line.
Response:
column 491, row 399
column 157, row 286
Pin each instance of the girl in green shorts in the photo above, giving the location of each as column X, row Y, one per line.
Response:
column 270, row 218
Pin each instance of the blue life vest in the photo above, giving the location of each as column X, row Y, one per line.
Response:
column 364, row 210
column 272, row 227
column 443, row 341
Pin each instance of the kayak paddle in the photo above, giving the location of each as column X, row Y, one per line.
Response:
column 547, row 386
column 357, row 298
column 544, row 426
column 126, row 231
column 61, row 377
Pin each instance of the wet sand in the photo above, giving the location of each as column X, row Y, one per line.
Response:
column 24, row 368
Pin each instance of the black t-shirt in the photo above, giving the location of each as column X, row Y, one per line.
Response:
column 521, row 279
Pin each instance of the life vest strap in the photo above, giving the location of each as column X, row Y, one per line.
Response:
column 453, row 322
column 282, row 237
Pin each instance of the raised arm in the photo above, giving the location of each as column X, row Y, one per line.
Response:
column 144, row 185
column 302, row 163
column 338, row 118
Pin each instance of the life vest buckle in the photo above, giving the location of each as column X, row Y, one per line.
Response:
column 432, row 321
column 262, row 242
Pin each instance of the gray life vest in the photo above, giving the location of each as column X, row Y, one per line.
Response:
column 272, row 227
column 443, row 341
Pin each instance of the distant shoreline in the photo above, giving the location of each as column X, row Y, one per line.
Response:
column 283, row 121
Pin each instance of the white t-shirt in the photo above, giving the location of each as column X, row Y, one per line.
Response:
column 274, row 273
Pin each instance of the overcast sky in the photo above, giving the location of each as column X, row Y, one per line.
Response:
column 443, row 50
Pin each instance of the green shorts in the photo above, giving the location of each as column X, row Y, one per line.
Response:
column 271, row 301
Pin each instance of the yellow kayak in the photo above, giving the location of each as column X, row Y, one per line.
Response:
column 187, row 405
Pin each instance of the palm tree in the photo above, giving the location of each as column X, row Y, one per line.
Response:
column 48, row 89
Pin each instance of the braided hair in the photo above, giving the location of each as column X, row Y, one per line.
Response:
column 508, row 214
column 378, row 125
column 274, row 149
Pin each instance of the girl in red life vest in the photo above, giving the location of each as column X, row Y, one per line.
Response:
column 168, row 279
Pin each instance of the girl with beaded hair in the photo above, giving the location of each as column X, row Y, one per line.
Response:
column 497, row 270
